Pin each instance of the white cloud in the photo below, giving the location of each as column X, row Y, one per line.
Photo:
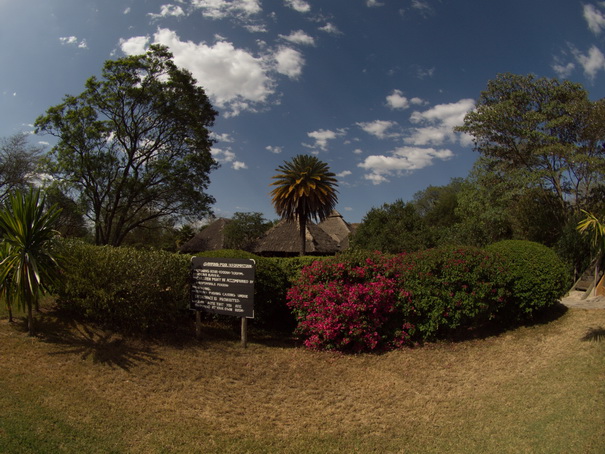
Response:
column 330, row 28
column 379, row 128
column 225, row 137
column 594, row 18
column 321, row 138
column 397, row 101
column 592, row 63
column 272, row 149
column 226, row 156
column 439, row 122
column 358, row 151
column 168, row 11
column 136, row 45
column 373, row 3
column 127, row 10
column 220, row 9
column 233, row 78
column 289, row 62
column 563, row 70
column 299, row 5
column 299, row 37
column 73, row 41
column 344, row 173
column 422, row 7
column 402, row 160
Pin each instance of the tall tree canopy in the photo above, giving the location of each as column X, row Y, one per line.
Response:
column 18, row 164
column 305, row 189
column 546, row 129
column 134, row 146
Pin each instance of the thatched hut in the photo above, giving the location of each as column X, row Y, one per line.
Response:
column 338, row 229
column 282, row 240
column 210, row 238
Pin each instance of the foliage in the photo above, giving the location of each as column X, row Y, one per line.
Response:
column 344, row 306
column 29, row 265
column 134, row 145
column 126, row 289
column 593, row 225
column 535, row 275
column 574, row 248
column 545, row 129
column 305, row 189
column 244, row 229
column 18, row 164
column 71, row 221
column 392, row 228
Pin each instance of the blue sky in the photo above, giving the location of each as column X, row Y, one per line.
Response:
column 371, row 87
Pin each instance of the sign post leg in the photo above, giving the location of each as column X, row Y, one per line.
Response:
column 198, row 325
column 244, row 332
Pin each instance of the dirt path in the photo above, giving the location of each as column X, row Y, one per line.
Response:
column 574, row 299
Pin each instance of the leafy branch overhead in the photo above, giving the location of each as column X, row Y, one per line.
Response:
column 134, row 145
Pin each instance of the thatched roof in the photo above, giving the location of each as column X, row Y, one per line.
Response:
column 283, row 240
column 211, row 238
column 338, row 229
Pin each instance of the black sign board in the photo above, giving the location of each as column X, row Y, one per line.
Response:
column 223, row 286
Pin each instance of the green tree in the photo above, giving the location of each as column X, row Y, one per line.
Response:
column 29, row 266
column 244, row 229
column 392, row 228
column 545, row 129
column 134, row 145
column 305, row 189
column 18, row 164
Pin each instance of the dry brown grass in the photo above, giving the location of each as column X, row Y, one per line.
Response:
column 536, row 389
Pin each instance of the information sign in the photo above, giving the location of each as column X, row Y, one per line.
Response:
column 223, row 286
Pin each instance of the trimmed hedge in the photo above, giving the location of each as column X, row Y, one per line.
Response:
column 536, row 276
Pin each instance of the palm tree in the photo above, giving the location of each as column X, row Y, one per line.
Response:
column 305, row 189
column 28, row 266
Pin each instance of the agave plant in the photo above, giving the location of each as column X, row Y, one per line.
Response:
column 29, row 266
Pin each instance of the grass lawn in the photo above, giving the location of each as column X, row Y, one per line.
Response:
column 74, row 388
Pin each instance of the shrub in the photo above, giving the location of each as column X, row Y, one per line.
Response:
column 126, row 289
column 450, row 288
column 535, row 275
column 343, row 305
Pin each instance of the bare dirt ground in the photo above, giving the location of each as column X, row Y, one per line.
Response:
column 577, row 299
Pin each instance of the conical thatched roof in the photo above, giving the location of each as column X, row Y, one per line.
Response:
column 283, row 240
column 211, row 238
column 338, row 229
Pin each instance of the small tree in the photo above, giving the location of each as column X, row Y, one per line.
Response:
column 305, row 189
column 29, row 266
column 244, row 229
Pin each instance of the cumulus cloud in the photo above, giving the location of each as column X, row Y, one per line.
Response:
column 168, row 11
column 321, row 137
column 594, row 18
column 272, row 149
column 396, row 101
column 299, row 5
column 400, row 161
column 437, row 124
column 220, row 9
column 330, row 28
column 234, row 79
column 224, row 138
column 592, row 62
column 299, row 37
column 344, row 173
column 289, row 62
column 73, row 41
column 373, row 3
column 226, row 156
column 379, row 128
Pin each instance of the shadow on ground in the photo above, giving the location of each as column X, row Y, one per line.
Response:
column 595, row 335
column 94, row 344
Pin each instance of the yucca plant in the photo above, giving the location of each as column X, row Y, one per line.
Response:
column 29, row 266
column 305, row 189
column 592, row 224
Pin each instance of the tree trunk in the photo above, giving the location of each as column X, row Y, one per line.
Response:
column 302, row 226
column 30, row 319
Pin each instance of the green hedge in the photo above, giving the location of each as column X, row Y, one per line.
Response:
column 536, row 276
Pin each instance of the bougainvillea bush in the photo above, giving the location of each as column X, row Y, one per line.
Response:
column 379, row 302
column 349, row 305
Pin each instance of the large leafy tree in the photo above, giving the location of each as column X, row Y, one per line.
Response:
column 28, row 265
column 244, row 229
column 546, row 130
column 134, row 146
column 392, row 228
column 18, row 164
column 305, row 189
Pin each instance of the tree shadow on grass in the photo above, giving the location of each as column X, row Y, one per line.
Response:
column 94, row 344
column 594, row 335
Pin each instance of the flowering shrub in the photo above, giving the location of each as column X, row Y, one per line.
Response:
column 377, row 302
column 347, row 306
